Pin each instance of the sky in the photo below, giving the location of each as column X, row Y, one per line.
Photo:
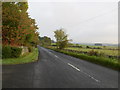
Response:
column 84, row 22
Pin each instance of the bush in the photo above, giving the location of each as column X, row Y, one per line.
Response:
column 93, row 53
column 80, row 46
column 0, row 52
column 102, row 54
column 6, row 52
column 87, row 47
column 11, row 52
column 15, row 52
column 30, row 48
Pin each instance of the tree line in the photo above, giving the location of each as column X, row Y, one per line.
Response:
column 18, row 28
column 61, row 37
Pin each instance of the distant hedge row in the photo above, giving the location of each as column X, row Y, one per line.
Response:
column 11, row 52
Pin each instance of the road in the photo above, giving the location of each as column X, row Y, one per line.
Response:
column 57, row 70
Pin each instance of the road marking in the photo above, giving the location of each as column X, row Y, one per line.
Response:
column 74, row 67
column 78, row 69
column 91, row 77
column 56, row 56
column 83, row 72
column 53, row 54
column 50, row 52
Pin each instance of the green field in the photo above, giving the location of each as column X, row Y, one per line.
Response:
column 105, row 51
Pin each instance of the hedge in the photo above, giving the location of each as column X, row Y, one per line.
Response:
column 6, row 52
column 11, row 52
column 15, row 52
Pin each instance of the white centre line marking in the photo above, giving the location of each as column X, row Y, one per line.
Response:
column 91, row 77
column 53, row 54
column 83, row 72
column 56, row 56
column 78, row 69
column 50, row 52
column 74, row 67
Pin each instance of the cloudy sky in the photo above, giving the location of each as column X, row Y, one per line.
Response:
column 84, row 22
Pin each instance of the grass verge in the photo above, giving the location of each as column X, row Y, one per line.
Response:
column 29, row 57
column 107, row 62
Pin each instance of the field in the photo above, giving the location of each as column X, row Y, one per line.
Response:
column 105, row 50
column 98, row 59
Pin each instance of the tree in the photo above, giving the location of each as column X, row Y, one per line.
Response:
column 61, row 38
column 18, row 28
column 45, row 41
column 10, row 21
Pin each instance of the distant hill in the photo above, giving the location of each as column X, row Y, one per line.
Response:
column 92, row 44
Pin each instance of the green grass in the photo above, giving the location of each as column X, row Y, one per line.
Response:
column 29, row 57
column 53, row 43
column 107, row 62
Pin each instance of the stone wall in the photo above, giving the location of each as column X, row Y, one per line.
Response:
column 24, row 50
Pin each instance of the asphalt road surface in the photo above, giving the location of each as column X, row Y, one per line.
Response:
column 57, row 70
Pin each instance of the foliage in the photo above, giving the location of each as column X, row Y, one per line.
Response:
column 52, row 41
column 18, row 28
column 6, row 52
column 61, row 38
column 80, row 46
column 11, row 52
column 45, row 41
column 87, row 47
column 15, row 52
column 93, row 53
column 30, row 48
column 28, row 58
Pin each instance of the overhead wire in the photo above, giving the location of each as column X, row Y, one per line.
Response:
column 97, row 16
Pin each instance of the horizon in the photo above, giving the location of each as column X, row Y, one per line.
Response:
column 98, row 26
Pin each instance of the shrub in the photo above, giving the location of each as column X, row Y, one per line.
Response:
column 102, row 54
column 15, row 52
column 11, row 52
column 80, row 46
column 0, row 52
column 6, row 52
column 99, row 48
column 30, row 48
column 87, row 47
column 93, row 53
